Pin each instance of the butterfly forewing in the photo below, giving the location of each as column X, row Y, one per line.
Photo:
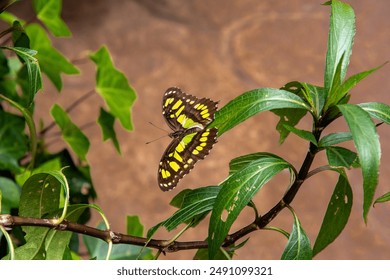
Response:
column 188, row 117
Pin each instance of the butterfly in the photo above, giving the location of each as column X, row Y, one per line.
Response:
column 188, row 117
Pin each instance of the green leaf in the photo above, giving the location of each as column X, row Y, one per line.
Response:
column 11, row 194
column 196, row 203
column 33, row 70
column 13, row 141
column 341, row 35
column 345, row 87
column 383, row 198
column 253, row 102
column 334, row 138
column 307, row 135
column 51, row 61
column 367, row 145
column 19, row 36
column 298, row 245
column 377, row 110
column 97, row 249
column 290, row 117
column 340, row 157
column 238, row 190
column 134, row 226
column 49, row 12
column 106, row 122
column 114, row 87
column 336, row 216
column 70, row 132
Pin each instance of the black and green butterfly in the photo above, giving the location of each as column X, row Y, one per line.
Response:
column 188, row 117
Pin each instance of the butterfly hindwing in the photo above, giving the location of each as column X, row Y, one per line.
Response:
column 188, row 117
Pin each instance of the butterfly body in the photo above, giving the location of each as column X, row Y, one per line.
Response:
column 188, row 117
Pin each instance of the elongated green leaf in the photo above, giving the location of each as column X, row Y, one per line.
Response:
column 336, row 216
column 383, row 198
column 298, row 245
column 70, row 132
column 304, row 134
column 377, row 110
column 195, row 203
column 341, row 35
column 253, row 102
column 113, row 86
column 49, row 12
column 237, row 191
column 367, row 144
column 340, row 157
column 341, row 90
column 13, row 141
column 334, row 138
column 106, row 122
column 51, row 61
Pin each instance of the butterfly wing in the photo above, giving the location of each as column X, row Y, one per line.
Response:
column 183, row 110
column 182, row 154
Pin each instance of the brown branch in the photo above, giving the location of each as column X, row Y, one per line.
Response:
column 9, row 221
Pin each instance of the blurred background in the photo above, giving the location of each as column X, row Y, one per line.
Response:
column 220, row 49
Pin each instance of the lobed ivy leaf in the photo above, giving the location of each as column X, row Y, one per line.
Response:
column 51, row 61
column 298, row 245
column 337, row 214
column 114, row 87
column 106, row 122
column 70, row 132
column 49, row 12
column 253, row 102
column 237, row 191
column 367, row 145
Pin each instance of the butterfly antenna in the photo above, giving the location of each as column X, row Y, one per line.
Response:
column 160, row 136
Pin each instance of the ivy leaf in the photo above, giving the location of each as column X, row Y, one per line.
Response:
column 106, row 122
column 337, row 214
column 238, row 190
column 51, row 61
column 367, row 145
column 13, row 141
column 298, row 245
column 49, row 12
column 253, row 102
column 113, row 86
column 70, row 132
